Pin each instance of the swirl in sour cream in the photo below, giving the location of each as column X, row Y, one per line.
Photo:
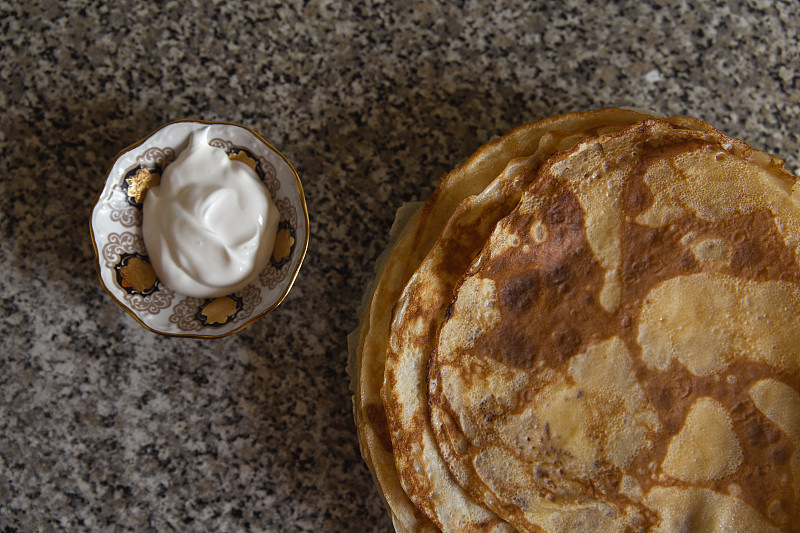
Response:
column 210, row 226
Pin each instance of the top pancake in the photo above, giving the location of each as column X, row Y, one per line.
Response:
column 409, row 248
column 625, row 351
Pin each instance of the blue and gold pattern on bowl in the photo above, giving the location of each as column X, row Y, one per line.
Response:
column 122, row 261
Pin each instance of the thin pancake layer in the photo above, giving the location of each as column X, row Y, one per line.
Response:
column 413, row 243
column 624, row 354
column 420, row 309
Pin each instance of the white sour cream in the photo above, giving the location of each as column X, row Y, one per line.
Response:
column 210, row 226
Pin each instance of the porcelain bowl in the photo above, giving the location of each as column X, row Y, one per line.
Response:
column 122, row 261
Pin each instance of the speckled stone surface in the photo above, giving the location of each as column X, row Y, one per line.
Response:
column 107, row 427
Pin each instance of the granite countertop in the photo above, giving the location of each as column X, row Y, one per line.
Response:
column 106, row 426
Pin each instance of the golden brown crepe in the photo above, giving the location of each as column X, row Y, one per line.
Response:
column 624, row 354
column 472, row 461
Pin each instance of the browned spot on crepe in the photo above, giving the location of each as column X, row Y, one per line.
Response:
column 377, row 417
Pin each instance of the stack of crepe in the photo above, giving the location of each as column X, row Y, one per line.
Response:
column 593, row 325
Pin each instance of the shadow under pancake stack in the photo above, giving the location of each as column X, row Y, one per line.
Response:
column 591, row 325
